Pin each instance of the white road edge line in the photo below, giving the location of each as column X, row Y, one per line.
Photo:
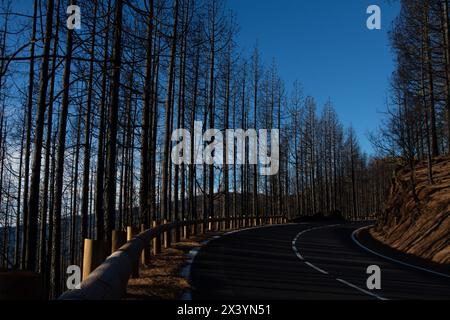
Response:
column 351, row 285
column 355, row 240
column 186, row 271
column 316, row 268
column 360, row 289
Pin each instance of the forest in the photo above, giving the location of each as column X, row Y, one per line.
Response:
column 87, row 115
column 417, row 122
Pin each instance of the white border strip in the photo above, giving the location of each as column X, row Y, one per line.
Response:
column 186, row 272
column 362, row 290
column 392, row 259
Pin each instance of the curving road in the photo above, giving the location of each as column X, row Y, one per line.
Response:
column 304, row 262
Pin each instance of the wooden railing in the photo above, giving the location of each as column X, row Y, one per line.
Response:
column 109, row 281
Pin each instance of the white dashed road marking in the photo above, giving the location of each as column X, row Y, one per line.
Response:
column 299, row 255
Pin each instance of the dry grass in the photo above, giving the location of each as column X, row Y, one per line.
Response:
column 161, row 279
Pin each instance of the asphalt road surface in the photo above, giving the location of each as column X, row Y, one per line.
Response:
column 304, row 262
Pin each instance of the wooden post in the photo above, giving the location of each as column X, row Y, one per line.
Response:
column 166, row 237
column 93, row 256
column 145, row 256
column 87, row 257
column 185, row 230
column 130, row 235
column 156, row 242
column 194, row 228
column 118, row 240
column 176, row 233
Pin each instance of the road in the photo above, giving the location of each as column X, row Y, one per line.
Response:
column 304, row 262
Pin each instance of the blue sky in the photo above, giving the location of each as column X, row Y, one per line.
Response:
column 326, row 45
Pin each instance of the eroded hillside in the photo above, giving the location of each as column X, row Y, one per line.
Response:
column 419, row 226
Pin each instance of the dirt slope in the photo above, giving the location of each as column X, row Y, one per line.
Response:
column 420, row 228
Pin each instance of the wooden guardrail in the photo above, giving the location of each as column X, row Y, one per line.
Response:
column 109, row 281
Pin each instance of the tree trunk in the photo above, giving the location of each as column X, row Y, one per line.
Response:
column 111, row 153
column 99, row 184
column 59, row 173
column 429, row 66
column 169, row 108
column 87, row 136
column 29, row 116
column 33, row 201
column 144, row 191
